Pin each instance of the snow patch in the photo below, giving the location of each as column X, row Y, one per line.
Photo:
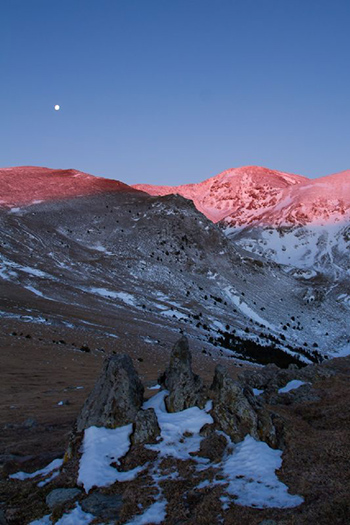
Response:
column 127, row 298
column 54, row 465
column 257, row 391
column 292, row 385
column 34, row 291
column 174, row 426
column 250, row 471
column 101, row 447
column 245, row 309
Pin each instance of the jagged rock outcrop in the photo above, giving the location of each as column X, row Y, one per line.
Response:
column 231, row 409
column 116, row 397
column 185, row 387
column 3, row 520
column 146, row 428
column 271, row 379
column 237, row 412
column 260, row 377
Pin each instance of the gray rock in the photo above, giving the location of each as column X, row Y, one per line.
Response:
column 268, row 522
column 30, row 423
column 3, row 520
column 269, row 378
column 116, row 397
column 317, row 372
column 303, row 394
column 185, row 387
column 259, row 377
column 213, row 447
column 146, row 429
column 58, row 497
column 237, row 411
column 232, row 410
column 105, row 506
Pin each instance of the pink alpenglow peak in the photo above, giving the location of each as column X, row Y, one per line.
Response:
column 27, row 185
column 250, row 196
column 254, row 195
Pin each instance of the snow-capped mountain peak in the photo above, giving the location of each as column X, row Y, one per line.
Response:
column 287, row 218
column 243, row 192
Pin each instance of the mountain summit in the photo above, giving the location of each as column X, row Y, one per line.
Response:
column 292, row 220
column 243, row 192
column 253, row 194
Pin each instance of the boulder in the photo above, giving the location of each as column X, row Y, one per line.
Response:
column 185, row 387
column 116, row 397
column 260, row 377
column 231, row 409
column 238, row 412
column 146, row 428
column 303, row 394
column 3, row 520
column 104, row 506
column 318, row 372
column 213, row 447
column 58, row 497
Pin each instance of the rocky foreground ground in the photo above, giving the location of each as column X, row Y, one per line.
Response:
column 184, row 480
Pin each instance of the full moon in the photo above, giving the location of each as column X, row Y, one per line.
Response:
column 57, row 107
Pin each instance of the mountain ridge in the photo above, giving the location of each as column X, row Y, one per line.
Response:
column 240, row 195
column 25, row 185
column 292, row 220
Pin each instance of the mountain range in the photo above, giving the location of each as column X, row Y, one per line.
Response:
column 292, row 220
column 252, row 263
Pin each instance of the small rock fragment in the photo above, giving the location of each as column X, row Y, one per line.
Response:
column 213, row 447
column 58, row 497
column 105, row 506
column 146, row 427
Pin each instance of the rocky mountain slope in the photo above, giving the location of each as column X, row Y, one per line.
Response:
column 301, row 223
column 128, row 264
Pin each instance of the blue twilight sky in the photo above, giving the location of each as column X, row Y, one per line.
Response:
column 175, row 91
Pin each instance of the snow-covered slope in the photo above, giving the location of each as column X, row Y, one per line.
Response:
column 308, row 229
column 292, row 220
